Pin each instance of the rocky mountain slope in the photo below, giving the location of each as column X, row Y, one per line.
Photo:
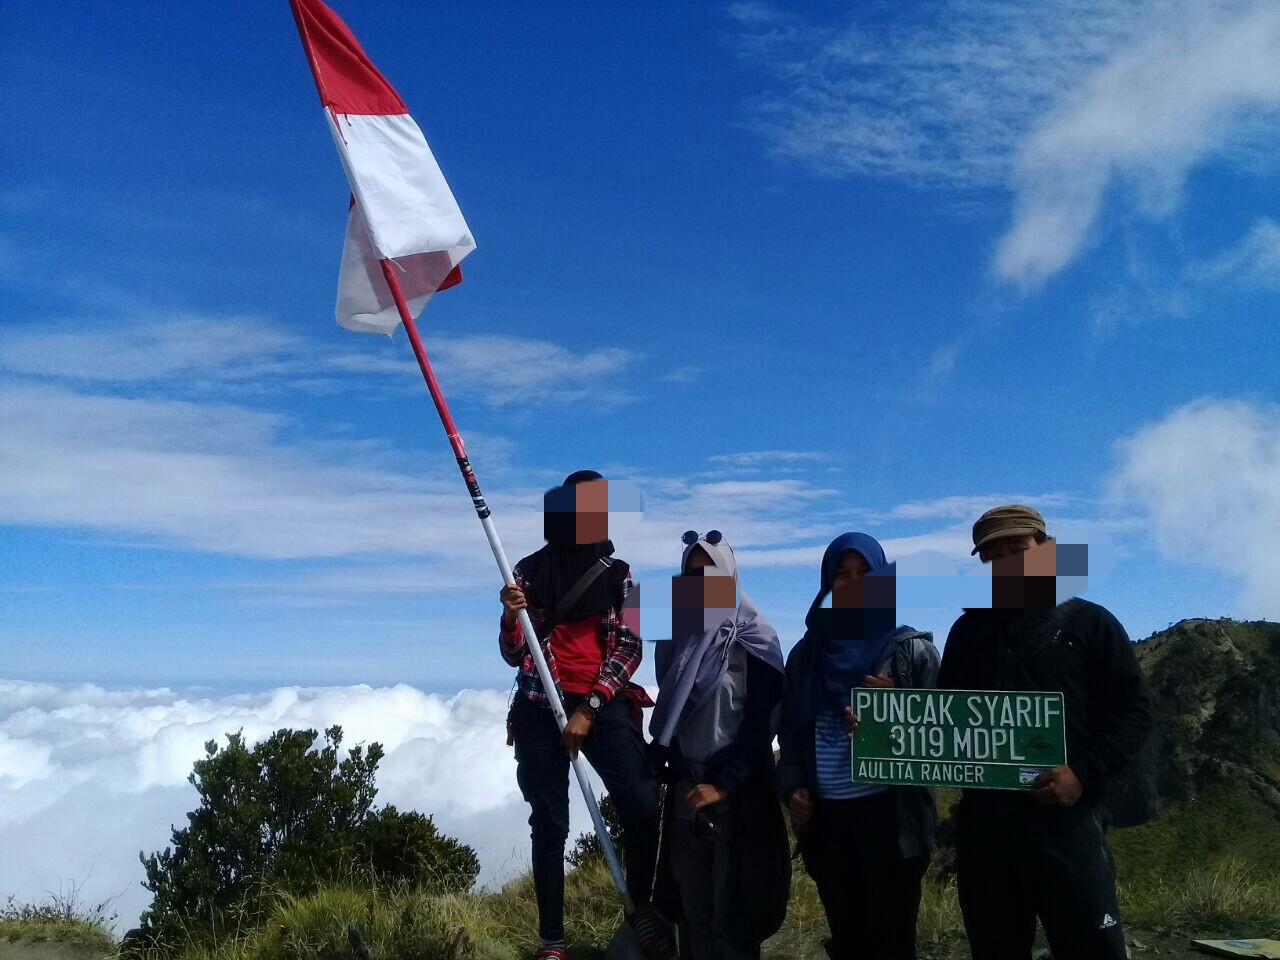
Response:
column 1217, row 690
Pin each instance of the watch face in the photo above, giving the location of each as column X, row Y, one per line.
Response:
column 596, row 701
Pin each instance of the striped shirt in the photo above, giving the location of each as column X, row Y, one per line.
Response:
column 835, row 760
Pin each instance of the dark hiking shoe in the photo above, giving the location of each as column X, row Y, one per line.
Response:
column 653, row 931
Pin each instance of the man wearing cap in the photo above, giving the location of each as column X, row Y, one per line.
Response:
column 1042, row 853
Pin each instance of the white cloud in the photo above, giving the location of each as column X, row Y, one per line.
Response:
column 758, row 458
column 203, row 355
column 1144, row 120
column 1207, row 478
column 1253, row 262
column 971, row 507
column 942, row 363
column 90, row 776
column 228, row 479
column 1059, row 101
column 517, row 370
column 181, row 347
column 936, row 94
column 215, row 478
column 685, row 373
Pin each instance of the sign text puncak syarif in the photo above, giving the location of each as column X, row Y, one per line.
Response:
column 997, row 739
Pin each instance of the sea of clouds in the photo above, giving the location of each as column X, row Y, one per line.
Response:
column 90, row 776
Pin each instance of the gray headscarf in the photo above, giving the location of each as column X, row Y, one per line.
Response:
column 691, row 666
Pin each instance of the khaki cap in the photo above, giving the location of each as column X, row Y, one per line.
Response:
column 1013, row 520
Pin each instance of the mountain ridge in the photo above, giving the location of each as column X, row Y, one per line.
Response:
column 1216, row 690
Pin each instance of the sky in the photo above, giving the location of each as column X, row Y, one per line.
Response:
column 788, row 270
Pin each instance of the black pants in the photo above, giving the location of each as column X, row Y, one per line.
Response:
column 869, row 891
column 1016, row 863
column 616, row 750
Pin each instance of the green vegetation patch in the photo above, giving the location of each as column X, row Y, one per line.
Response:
column 60, row 919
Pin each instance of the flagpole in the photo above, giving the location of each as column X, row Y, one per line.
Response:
column 508, row 577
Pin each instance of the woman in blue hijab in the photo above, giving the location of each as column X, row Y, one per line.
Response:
column 866, row 846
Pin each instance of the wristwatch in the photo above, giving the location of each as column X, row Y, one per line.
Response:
column 592, row 703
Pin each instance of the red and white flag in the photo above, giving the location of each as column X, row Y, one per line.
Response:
column 402, row 209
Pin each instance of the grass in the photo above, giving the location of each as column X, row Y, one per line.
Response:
column 1199, row 836
column 62, row 918
column 1232, row 897
column 1207, row 867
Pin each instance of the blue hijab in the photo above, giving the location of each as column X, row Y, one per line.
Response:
column 853, row 641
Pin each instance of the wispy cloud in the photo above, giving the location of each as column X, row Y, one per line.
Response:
column 758, row 458
column 686, row 373
column 1058, row 102
column 517, row 370
column 942, row 363
column 208, row 355
column 1159, row 107
column 212, row 477
column 1253, row 262
column 971, row 507
column 227, row 478
column 934, row 94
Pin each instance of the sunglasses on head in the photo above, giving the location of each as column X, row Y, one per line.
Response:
column 691, row 537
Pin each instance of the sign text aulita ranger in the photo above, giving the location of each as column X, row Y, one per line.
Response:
column 996, row 739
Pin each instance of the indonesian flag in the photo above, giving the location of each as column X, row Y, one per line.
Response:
column 401, row 207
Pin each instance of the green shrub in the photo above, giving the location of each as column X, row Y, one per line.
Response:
column 285, row 819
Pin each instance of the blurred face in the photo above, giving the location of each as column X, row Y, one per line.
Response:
column 698, row 588
column 1023, row 572
column 577, row 514
column 848, row 589
column 592, row 521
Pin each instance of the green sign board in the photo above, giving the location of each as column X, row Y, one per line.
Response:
column 994, row 739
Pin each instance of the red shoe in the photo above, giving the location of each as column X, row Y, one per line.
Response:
column 552, row 953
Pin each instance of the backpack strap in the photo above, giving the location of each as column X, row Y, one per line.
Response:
column 589, row 576
column 1047, row 632
column 1062, row 616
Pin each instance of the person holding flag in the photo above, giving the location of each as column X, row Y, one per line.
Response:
column 584, row 609
column 406, row 239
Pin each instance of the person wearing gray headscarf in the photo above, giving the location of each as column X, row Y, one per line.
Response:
column 724, row 869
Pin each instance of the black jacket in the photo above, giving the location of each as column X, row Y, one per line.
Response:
column 1078, row 649
column 760, row 871
column 912, row 662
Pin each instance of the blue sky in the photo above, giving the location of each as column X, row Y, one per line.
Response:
column 791, row 271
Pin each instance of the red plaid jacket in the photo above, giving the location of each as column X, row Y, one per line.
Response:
column 619, row 639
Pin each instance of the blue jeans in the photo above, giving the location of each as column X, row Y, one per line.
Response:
column 616, row 749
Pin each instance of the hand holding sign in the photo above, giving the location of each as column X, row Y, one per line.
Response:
column 1059, row 787
column 850, row 722
column 874, row 682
